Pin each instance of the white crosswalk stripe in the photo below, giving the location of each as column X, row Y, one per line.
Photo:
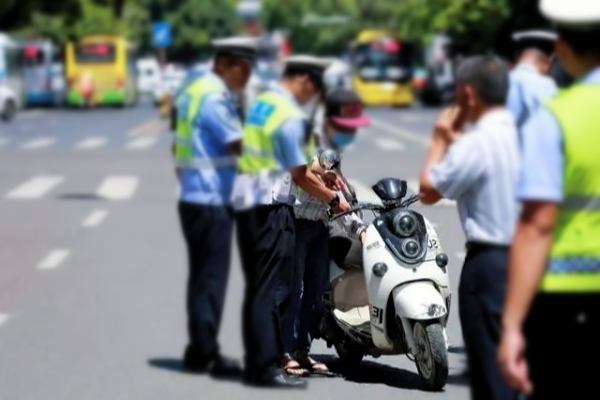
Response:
column 38, row 143
column 389, row 144
column 35, row 187
column 118, row 187
column 91, row 143
column 141, row 143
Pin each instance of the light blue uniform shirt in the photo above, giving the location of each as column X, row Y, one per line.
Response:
column 528, row 90
column 542, row 154
column 289, row 138
column 288, row 149
column 216, row 125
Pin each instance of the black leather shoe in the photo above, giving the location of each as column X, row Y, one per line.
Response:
column 225, row 367
column 276, row 378
column 218, row 366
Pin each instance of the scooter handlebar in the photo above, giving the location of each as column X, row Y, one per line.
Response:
column 373, row 207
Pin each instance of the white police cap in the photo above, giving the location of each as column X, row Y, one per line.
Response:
column 313, row 64
column 535, row 36
column 241, row 46
column 573, row 13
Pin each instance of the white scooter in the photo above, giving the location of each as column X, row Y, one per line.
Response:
column 398, row 300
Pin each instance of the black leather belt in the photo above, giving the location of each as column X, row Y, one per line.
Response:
column 480, row 246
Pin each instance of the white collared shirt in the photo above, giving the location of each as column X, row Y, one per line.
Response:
column 480, row 171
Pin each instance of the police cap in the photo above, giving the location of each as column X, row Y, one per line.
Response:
column 574, row 14
column 244, row 47
column 542, row 40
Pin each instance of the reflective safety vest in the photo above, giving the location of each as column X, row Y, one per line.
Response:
column 268, row 112
column 188, row 105
column 574, row 264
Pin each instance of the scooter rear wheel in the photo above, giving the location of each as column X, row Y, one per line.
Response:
column 432, row 357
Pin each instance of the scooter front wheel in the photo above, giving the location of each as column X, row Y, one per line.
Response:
column 432, row 355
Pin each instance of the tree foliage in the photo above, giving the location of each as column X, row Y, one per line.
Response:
column 476, row 25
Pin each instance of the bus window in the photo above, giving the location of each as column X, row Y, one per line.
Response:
column 33, row 56
column 97, row 53
column 13, row 62
column 383, row 61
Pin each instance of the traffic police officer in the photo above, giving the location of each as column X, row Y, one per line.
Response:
column 272, row 163
column 208, row 139
column 555, row 250
column 529, row 83
column 343, row 117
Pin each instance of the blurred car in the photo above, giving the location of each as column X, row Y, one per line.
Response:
column 8, row 103
column 149, row 74
column 172, row 77
column 338, row 76
column 420, row 78
column 439, row 85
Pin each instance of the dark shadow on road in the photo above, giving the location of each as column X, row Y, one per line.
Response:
column 176, row 365
column 459, row 379
column 374, row 373
column 456, row 350
column 81, row 196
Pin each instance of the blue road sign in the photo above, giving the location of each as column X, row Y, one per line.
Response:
column 161, row 34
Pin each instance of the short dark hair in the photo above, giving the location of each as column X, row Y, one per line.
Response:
column 488, row 75
column 583, row 42
column 291, row 72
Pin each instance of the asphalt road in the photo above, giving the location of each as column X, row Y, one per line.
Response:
column 92, row 263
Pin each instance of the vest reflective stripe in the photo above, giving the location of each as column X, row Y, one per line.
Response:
column 188, row 105
column 581, row 203
column 574, row 264
column 207, row 163
column 266, row 115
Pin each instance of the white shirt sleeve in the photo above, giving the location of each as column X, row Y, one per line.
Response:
column 461, row 168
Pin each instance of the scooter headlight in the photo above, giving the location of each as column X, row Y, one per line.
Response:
column 411, row 248
column 405, row 224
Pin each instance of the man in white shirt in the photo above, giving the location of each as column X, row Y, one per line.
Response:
column 479, row 170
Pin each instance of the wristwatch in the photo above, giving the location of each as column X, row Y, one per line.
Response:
column 335, row 202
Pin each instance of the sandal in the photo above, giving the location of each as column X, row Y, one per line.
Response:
column 293, row 368
column 317, row 368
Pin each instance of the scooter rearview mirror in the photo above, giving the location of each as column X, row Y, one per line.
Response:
column 329, row 159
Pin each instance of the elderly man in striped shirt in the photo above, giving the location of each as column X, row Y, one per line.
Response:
column 343, row 117
column 479, row 170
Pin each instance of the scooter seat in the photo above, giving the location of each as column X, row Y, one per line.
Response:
column 355, row 317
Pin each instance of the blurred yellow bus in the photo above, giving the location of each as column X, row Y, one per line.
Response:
column 382, row 69
column 100, row 70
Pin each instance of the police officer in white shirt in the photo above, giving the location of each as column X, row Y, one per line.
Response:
column 273, row 162
column 530, row 84
column 479, row 170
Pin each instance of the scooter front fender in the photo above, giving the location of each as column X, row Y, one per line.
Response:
column 419, row 301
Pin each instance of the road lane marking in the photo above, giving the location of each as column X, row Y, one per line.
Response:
column 389, row 144
column 397, row 131
column 38, row 143
column 30, row 113
column 95, row 218
column 35, row 187
column 141, row 143
column 118, row 187
column 54, row 259
column 4, row 318
column 91, row 143
column 150, row 127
